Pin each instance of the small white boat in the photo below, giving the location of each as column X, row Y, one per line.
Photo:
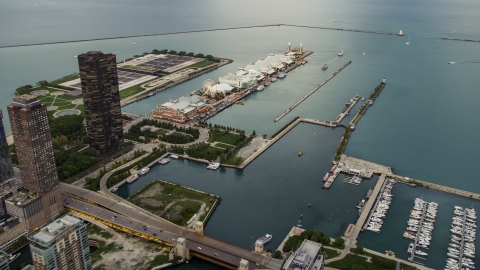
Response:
column 213, row 165
column 325, row 66
column 419, row 252
column 173, row 156
column 132, row 178
column 260, row 87
column 340, row 53
column 114, row 190
column 274, row 79
column 363, row 53
column 164, row 161
column 12, row 257
column 265, row 239
column 144, row 171
column 282, row 75
column 400, row 33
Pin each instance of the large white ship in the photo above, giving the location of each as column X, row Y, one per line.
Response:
column 132, row 178
column 265, row 239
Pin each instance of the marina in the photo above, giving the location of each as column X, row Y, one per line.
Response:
column 461, row 250
column 419, row 229
column 311, row 92
column 379, row 211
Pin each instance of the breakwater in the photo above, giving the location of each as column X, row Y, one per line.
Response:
column 343, row 29
column 311, row 92
column 207, row 30
column 367, row 104
column 461, row 39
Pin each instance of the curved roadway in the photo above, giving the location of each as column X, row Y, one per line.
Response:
column 228, row 253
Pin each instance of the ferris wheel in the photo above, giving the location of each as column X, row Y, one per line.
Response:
column 206, row 85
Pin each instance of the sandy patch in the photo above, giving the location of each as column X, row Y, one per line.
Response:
column 135, row 254
column 52, row 108
column 151, row 202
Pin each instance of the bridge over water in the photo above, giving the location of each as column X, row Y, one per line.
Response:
column 139, row 222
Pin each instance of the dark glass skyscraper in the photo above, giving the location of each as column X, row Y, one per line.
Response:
column 101, row 97
column 41, row 201
column 6, row 167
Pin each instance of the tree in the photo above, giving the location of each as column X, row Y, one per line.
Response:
column 358, row 250
column 339, row 242
column 199, row 55
column 253, row 133
column 182, row 53
column 42, row 83
column 209, row 57
column 26, row 89
column 358, row 267
column 277, row 255
column 172, row 52
column 164, row 51
column 287, row 247
column 190, row 54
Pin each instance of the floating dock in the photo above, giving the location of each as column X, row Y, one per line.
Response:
column 311, row 92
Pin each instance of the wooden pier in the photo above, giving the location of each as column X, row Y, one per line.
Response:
column 311, row 92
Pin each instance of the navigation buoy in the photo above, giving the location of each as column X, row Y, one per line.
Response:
column 301, row 216
column 308, row 205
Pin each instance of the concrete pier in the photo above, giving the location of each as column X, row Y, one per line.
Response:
column 347, row 109
column 332, row 177
column 311, row 92
column 364, row 109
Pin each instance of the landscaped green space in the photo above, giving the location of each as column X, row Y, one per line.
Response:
column 172, row 201
column 161, row 131
column 222, row 145
column 157, row 261
column 225, row 137
column 180, row 136
column 352, row 261
column 62, row 102
column 130, row 91
column 201, row 64
column 331, row 253
column 64, row 79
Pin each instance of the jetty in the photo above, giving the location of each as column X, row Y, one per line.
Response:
column 461, row 39
column 343, row 29
column 332, row 177
column 311, row 92
column 347, row 109
column 367, row 104
column 415, row 243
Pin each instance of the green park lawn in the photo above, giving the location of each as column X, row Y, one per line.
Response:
column 228, row 139
column 130, row 91
column 201, row 64
column 64, row 79
column 222, row 145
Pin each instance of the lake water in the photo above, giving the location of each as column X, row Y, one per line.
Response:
column 423, row 124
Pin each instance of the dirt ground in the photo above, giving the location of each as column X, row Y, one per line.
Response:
column 135, row 254
column 153, row 190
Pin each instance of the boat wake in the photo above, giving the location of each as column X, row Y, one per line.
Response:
column 465, row 62
column 408, row 43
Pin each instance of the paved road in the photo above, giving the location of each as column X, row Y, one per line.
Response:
column 130, row 212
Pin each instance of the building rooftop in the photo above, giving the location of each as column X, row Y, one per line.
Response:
column 48, row 233
column 23, row 197
column 25, row 101
column 305, row 257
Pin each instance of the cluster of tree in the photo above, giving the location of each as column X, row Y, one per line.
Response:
column 360, row 112
column 135, row 132
column 295, row 241
column 377, row 90
column 277, row 255
column 20, row 243
column 181, row 53
column 240, row 142
column 67, row 130
column 343, row 143
column 26, row 89
column 383, row 262
column 156, row 153
column 220, row 127
column 114, row 179
column 284, row 127
column 200, row 151
column 69, row 162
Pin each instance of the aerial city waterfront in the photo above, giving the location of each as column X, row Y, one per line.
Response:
column 329, row 143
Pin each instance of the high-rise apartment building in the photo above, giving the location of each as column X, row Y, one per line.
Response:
column 6, row 166
column 61, row 245
column 40, row 200
column 101, row 98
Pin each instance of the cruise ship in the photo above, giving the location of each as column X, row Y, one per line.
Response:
column 132, row 178
column 325, row 66
column 340, row 53
column 325, row 178
column 265, row 239
column 144, row 171
column 213, row 165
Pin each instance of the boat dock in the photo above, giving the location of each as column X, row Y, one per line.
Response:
column 347, row 109
column 368, row 206
column 461, row 39
column 311, row 92
column 415, row 243
column 332, row 177
column 353, row 180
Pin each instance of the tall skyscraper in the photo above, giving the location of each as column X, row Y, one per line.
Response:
column 61, row 245
column 41, row 200
column 101, row 98
column 6, row 167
